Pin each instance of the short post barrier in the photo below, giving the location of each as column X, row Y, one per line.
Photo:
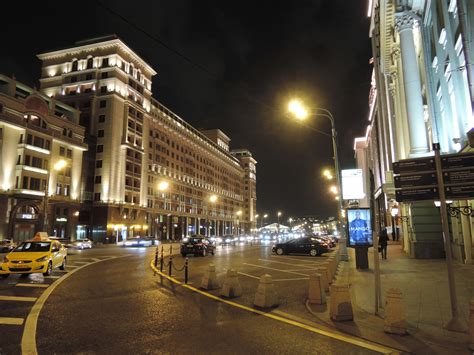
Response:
column 170, row 265
column 340, row 308
column 171, row 249
column 324, row 277
column 266, row 295
column 316, row 294
column 395, row 322
column 156, row 257
column 186, row 271
column 209, row 280
column 328, row 271
column 231, row 287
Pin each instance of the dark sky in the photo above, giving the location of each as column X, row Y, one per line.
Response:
column 241, row 61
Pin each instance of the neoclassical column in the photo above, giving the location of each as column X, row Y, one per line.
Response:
column 404, row 24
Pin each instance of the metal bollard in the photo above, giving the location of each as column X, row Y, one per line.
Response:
column 171, row 249
column 161, row 264
column 170, row 265
column 156, row 257
column 186, row 271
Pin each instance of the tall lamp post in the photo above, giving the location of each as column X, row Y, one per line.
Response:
column 263, row 220
column 256, row 223
column 59, row 165
column 301, row 113
column 163, row 187
column 278, row 225
column 212, row 200
column 238, row 213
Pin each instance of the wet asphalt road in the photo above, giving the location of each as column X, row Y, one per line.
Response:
column 119, row 306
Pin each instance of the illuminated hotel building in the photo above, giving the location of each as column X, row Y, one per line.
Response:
column 136, row 143
column 37, row 134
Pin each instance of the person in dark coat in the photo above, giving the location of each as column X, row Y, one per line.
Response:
column 383, row 241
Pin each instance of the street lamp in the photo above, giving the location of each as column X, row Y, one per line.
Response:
column 212, row 200
column 278, row 225
column 256, row 223
column 163, row 187
column 59, row 165
column 238, row 213
column 327, row 174
column 264, row 216
column 300, row 112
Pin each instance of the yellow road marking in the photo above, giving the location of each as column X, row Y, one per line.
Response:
column 32, row 285
column 341, row 337
column 28, row 339
column 17, row 298
column 11, row 321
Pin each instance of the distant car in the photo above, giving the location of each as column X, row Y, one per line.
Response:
column 7, row 245
column 197, row 245
column 137, row 242
column 229, row 239
column 306, row 245
column 80, row 244
column 39, row 255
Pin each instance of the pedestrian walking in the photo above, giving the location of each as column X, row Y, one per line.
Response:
column 383, row 241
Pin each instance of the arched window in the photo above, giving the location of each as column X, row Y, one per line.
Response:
column 89, row 63
column 74, row 65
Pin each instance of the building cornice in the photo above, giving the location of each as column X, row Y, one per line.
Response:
column 71, row 51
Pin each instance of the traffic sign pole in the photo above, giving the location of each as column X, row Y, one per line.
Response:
column 454, row 324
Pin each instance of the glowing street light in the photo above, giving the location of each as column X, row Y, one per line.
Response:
column 212, row 200
column 297, row 109
column 327, row 174
column 163, row 187
column 59, row 165
column 333, row 189
column 300, row 112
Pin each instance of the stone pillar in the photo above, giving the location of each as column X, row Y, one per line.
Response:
column 404, row 23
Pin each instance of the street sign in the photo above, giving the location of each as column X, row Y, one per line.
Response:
column 413, row 180
column 459, row 192
column 457, row 161
column 414, row 165
column 465, row 176
column 417, row 194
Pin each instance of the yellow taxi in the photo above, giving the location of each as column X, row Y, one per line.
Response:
column 38, row 255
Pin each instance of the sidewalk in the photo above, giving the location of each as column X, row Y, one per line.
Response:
column 424, row 284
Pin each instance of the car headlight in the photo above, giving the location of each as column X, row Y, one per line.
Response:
column 40, row 260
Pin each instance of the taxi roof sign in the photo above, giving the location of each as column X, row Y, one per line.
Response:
column 41, row 236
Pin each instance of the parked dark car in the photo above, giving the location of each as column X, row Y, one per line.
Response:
column 197, row 245
column 7, row 245
column 305, row 245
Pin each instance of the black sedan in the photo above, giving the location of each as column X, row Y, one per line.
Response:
column 306, row 245
column 197, row 245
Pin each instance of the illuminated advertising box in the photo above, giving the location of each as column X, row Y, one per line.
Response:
column 359, row 226
column 352, row 184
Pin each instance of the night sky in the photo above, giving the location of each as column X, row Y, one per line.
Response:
column 232, row 66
